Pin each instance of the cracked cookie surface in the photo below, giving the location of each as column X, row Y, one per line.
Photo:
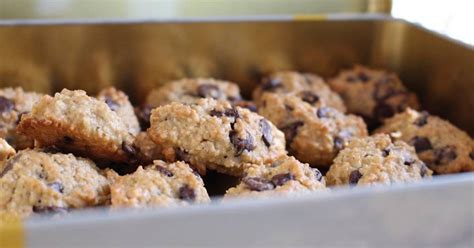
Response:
column 215, row 135
column 441, row 145
column 376, row 160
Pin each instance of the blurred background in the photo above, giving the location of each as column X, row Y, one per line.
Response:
column 451, row 17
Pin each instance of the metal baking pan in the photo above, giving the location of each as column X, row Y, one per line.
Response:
column 139, row 55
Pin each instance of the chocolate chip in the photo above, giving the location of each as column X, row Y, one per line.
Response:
column 382, row 111
column 354, row 177
column 182, row 155
column 420, row 144
column 241, row 144
column 143, row 115
column 385, row 152
column 68, row 140
column 445, row 155
column 289, row 108
column 6, row 105
column 409, row 161
column 216, row 113
column 56, row 186
column 186, row 193
column 363, row 77
column 324, row 112
column 130, row 150
column 209, row 90
column 49, row 210
column 471, row 155
column 257, row 184
column 164, row 171
column 232, row 112
column 422, row 120
column 309, row 97
column 351, row 79
column 269, row 84
column 291, row 130
column 339, row 143
column 113, row 105
column 384, row 91
column 280, row 179
column 266, row 132
column 423, row 170
column 246, row 104
column 318, row 174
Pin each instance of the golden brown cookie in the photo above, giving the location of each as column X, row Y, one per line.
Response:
column 77, row 123
column 376, row 160
column 313, row 135
column 373, row 94
column 215, row 135
column 33, row 181
column 190, row 90
column 441, row 145
column 285, row 176
column 158, row 185
column 308, row 87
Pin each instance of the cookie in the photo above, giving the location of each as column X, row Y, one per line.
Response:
column 313, row 135
column 376, row 160
column 188, row 91
column 147, row 149
column 33, row 181
column 77, row 123
column 373, row 94
column 285, row 176
column 215, row 135
column 159, row 185
column 6, row 150
column 119, row 103
column 14, row 102
column 308, row 87
column 442, row 146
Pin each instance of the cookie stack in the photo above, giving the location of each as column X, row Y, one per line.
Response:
column 73, row 150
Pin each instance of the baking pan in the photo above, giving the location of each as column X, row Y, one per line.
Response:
column 140, row 55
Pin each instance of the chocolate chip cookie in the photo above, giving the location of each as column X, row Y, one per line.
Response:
column 77, row 123
column 313, row 135
column 285, row 176
column 14, row 102
column 6, row 150
column 119, row 103
column 376, row 160
column 373, row 94
column 308, row 87
column 159, row 185
column 215, row 135
column 33, row 181
column 442, row 146
column 190, row 90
